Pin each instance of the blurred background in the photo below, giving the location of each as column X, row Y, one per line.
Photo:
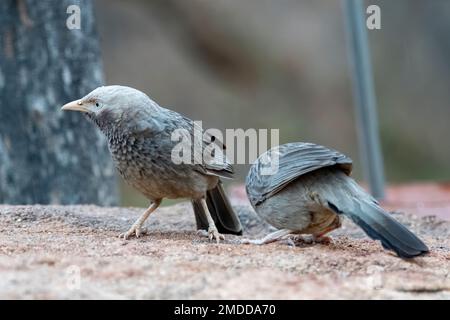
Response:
column 284, row 64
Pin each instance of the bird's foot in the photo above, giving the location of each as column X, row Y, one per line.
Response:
column 135, row 230
column 271, row 237
column 310, row 239
column 214, row 234
column 211, row 234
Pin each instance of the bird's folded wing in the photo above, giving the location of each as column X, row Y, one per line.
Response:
column 214, row 159
column 208, row 152
column 287, row 162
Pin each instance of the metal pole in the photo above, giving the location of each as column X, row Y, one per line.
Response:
column 364, row 96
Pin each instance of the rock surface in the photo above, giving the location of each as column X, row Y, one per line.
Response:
column 70, row 252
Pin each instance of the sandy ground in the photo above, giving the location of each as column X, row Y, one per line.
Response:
column 72, row 252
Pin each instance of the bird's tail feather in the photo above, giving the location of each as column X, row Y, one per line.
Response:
column 379, row 225
column 221, row 211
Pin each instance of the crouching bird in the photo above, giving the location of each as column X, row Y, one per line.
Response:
column 142, row 137
column 310, row 193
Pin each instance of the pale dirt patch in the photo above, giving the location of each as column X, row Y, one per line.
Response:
column 41, row 245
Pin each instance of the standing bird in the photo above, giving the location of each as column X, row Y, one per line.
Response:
column 141, row 140
column 310, row 193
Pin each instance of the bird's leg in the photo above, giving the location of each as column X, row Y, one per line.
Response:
column 136, row 227
column 213, row 233
column 319, row 237
column 322, row 238
column 271, row 237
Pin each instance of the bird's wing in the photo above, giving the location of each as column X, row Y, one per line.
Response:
column 274, row 169
column 214, row 160
column 208, row 154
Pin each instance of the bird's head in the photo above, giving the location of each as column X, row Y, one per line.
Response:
column 113, row 106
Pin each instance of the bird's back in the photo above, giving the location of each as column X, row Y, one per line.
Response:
column 314, row 202
column 298, row 205
column 293, row 160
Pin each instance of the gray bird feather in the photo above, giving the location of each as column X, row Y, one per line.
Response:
column 141, row 142
column 312, row 190
column 295, row 159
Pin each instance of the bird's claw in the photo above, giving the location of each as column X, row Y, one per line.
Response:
column 214, row 234
column 134, row 230
column 211, row 234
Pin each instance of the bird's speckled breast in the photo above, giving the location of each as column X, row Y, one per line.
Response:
column 145, row 163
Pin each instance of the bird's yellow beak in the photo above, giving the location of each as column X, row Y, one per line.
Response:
column 76, row 105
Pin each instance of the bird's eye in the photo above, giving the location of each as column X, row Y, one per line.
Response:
column 97, row 105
